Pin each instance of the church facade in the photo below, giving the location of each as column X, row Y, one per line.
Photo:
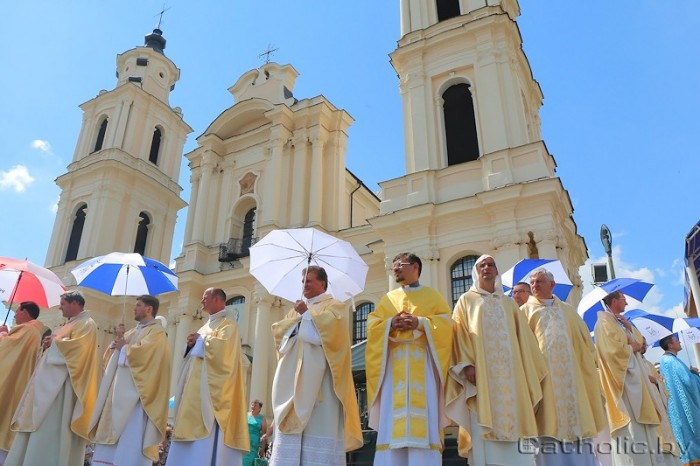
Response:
column 478, row 177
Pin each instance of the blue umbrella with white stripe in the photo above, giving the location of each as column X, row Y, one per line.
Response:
column 125, row 274
column 592, row 302
column 520, row 272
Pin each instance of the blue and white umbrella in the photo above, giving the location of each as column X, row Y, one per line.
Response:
column 653, row 327
column 520, row 272
column 592, row 303
column 122, row 274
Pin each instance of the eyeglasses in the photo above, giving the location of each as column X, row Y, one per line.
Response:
column 396, row 265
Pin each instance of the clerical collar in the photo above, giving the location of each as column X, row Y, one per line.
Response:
column 143, row 324
column 80, row 315
column 669, row 353
column 315, row 299
column 412, row 287
column 547, row 302
column 216, row 314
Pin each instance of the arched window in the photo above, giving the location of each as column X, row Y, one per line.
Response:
column 76, row 233
column 142, row 234
column 248, row 231
column 236, row 300
column 101, row 135
column 155, row 147
column 460, row 125
column 233, row 303
column 359, row 322
column 461, row 274
column 447, row 9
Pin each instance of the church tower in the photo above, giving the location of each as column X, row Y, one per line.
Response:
column 121, row 190
column 479, row 178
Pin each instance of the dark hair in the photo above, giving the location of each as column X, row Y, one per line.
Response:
column 319, row 272
column 149, row 300
column 614, row 295
column 31, row 307
column 527, row 285
column 665, row 341
column 411, row 258
column 257, row 402
column 219, row 292
column 74, row 296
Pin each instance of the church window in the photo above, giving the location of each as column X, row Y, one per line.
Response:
column 460, row 125
column 447, row 9
column 359, row 322
column 236, row 300
column 76, row 233
column 155, row 146
column 248, row 231
column 100, row 135
column 142, row 234
column 461, row 275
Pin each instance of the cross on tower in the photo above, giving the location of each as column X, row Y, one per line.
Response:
column 270, row 50
column 161, row 13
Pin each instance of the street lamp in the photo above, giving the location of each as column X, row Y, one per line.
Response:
column 606, row 239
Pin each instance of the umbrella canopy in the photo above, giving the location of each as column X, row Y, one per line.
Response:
column 592, row 303
column 121, row 274
column 688, row 329
column 520, row 272
column 21, row 280
column 653, row 327
column 277, row 261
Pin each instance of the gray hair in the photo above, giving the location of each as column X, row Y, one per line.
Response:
column 542, row 271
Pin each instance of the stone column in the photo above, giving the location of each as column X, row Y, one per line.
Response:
column 260, row 385
column 273, row 182
column 316, row 191
column 205, row 186
column 183, row 325
column 299, row 187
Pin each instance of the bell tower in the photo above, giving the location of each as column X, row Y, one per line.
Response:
column 479, row 178
column 121, row 192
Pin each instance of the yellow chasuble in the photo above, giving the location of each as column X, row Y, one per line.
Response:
column 408, row 350
column 329, row 316
column 148, row 357
column 614, row 353
column 492, row 334
column 76, row 341
column 217, row 377
column 19, row 351
column 572, row 405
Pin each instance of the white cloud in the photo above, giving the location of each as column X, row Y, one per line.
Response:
column 54, row 205
column 652, row 302
column 17, row 178
column 42, row 145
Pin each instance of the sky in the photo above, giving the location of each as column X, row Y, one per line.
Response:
column 620, row 111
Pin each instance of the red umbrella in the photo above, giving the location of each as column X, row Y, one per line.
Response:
column 21, row 280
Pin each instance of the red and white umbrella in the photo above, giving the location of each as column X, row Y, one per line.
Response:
column 21, row 280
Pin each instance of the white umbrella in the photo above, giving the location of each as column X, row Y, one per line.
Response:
column 277, row 261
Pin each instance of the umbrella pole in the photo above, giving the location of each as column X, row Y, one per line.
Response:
column 126, row 285
column 12, row 297
column 306, row 272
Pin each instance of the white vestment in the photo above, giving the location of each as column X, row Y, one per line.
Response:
column 53, row 443
column 321, row 437
column 125, row 420
column 196, row 452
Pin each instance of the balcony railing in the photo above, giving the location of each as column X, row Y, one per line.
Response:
column 235, row 248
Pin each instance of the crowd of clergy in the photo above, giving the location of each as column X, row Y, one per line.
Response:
column 520, row 377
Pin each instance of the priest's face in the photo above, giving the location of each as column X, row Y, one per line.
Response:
column 142, row 312
column 542, row 287
column 313, row 286
column 487, row 273
column 69, row 309
column 405, row 273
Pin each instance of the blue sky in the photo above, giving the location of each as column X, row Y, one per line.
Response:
column 620, row 114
